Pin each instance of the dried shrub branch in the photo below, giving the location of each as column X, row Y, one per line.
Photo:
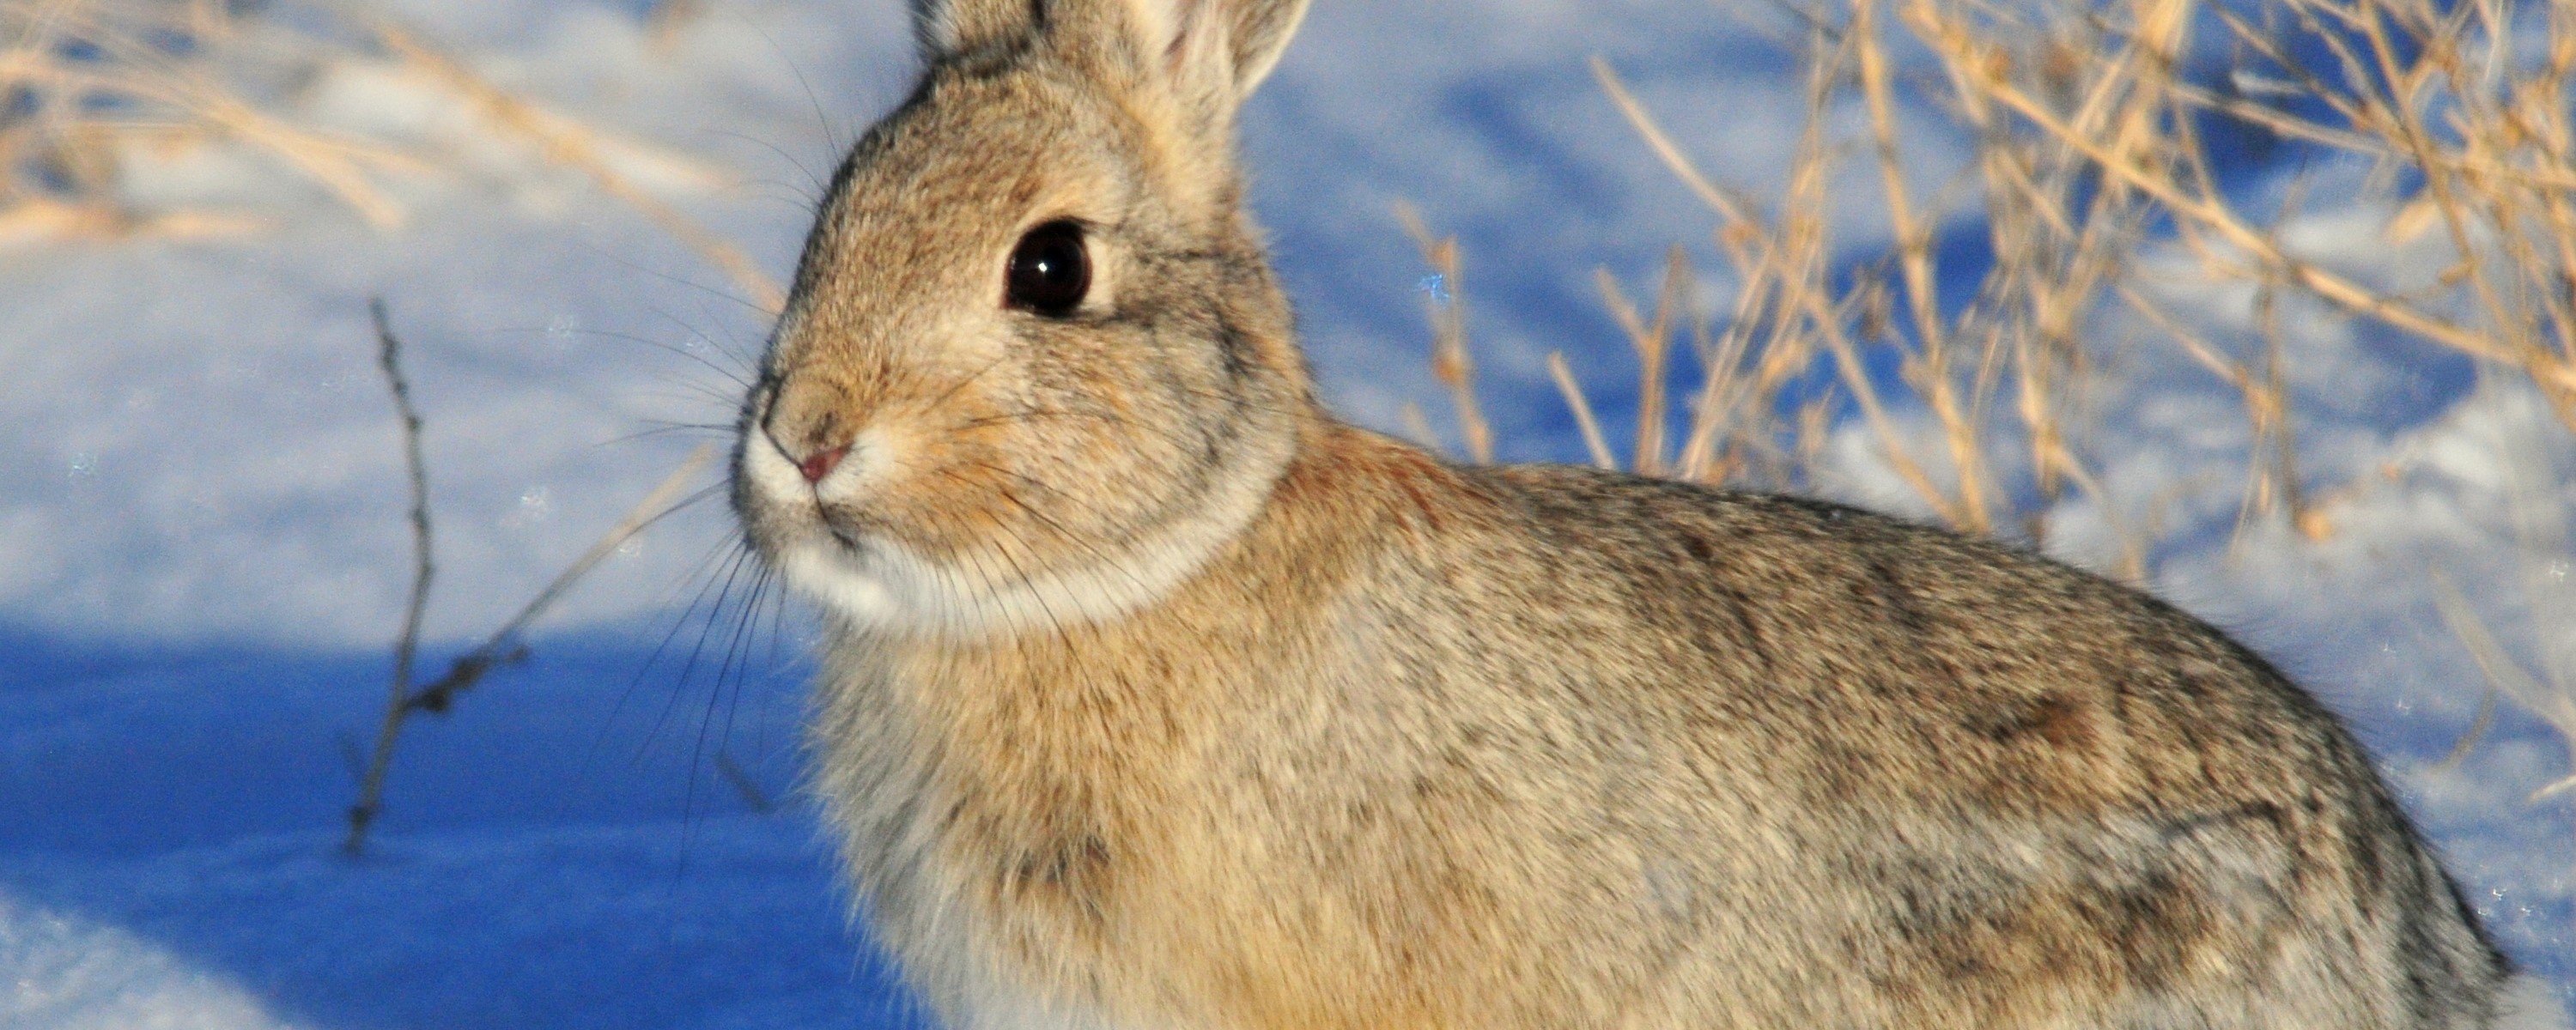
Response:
column 506, row 645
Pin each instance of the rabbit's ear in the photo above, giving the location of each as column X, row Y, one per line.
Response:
column 946, row 28
column 1215, row 50
column 1229, row 44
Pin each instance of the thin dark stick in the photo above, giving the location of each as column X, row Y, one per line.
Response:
column 504, row 646
column 371, row 791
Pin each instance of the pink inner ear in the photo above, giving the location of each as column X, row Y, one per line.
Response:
column 821, row 463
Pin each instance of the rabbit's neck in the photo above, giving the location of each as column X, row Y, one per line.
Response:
column 1002, row 796
column 1111, row 697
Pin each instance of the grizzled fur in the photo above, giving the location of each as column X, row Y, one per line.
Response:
column 1155, row 698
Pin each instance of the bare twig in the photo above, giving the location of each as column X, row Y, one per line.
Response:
column 506, row 645
column 371, row 790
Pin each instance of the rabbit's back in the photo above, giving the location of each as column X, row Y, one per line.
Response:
column 1540, row 746
column 1979, row 784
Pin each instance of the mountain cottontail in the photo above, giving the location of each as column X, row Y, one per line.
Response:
column 1154, row 697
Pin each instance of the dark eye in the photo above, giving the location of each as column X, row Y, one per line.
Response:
column 1050, row 272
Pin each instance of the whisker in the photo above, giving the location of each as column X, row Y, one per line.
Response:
column 748, row 361
column 683, row 504
column 682, row 281
column 688, row 667
column 1024, row 578
column 669, row 428
column 701, row 570
column 812, row 198
column 739, row 376
column 720, row 696
column 960, row 386
column 739, row 653
column 1099, row 558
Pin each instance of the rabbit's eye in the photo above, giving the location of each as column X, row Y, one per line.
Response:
column 1050, row 272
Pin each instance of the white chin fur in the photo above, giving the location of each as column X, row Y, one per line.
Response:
column 883, row 585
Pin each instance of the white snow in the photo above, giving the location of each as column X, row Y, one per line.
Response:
column 65, row 973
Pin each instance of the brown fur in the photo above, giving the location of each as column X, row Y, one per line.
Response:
column 1156, row 698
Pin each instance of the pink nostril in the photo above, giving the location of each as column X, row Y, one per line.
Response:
column 821, row 463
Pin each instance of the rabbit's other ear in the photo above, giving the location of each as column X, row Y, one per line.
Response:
column 946, row 28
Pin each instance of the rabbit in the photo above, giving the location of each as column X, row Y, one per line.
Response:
column 1151, row 696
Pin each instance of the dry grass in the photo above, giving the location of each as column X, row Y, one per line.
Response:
column 82, row 81
column 85, row 85
column 2087, row 150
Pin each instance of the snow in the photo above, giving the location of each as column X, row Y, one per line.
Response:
column 203, row 554
column 68, row 974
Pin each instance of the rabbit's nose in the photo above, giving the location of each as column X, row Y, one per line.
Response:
column 819, row 464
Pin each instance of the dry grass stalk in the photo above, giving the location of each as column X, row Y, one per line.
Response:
column 1790, row 315
column 424, row 569
column 1417, row 426
column 1450, row 361
column 1651, row 341
column 1590, row 427
column 668, row 17
column 1785, row 300
column 2554, row 701
column 2541, row 526
column 2431, row 92
column 1930, row 363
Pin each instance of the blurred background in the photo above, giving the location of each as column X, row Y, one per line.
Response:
column 2268, row 306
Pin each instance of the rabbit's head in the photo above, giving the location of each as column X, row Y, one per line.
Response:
column 1035, row 369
